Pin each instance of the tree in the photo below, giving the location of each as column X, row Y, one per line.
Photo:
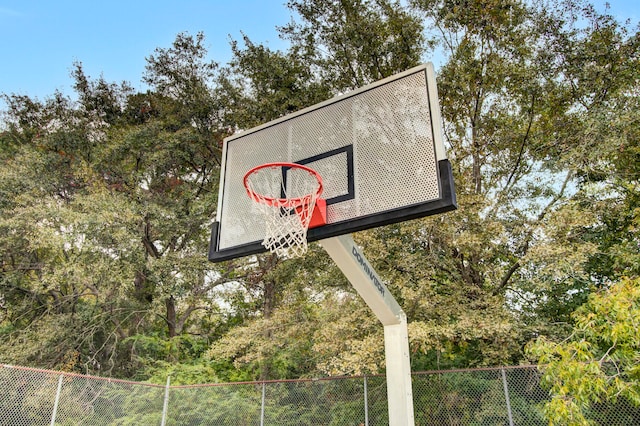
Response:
column 105, row 218
column 516, row 118
column 52, row 316
column 105, row 201
column 309, row 331
column 599, row 361
column 512, row 261
column 260, row 85
column 336, row 40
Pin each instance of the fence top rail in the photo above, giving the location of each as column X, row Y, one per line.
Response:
column 471, row 370
column 259, row 382
column 80, row 376
column 130, row 382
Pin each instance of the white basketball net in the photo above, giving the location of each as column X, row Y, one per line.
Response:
column 286, row 204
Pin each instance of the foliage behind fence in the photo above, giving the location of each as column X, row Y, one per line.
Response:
column 496, row 396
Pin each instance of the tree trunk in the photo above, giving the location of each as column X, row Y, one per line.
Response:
column 170, row 303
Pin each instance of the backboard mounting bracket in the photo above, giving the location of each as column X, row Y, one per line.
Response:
column 364, row 279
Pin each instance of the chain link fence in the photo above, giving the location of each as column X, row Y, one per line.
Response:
column 498, row 396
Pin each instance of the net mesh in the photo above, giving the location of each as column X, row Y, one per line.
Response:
column 286, row 196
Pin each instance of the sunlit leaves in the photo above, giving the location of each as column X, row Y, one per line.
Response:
column 337, row 37
column 600, row 359
column 106, row 204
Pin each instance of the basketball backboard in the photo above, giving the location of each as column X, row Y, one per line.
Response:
column 378, row 149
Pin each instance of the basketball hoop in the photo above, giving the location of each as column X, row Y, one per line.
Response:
column 288, row 195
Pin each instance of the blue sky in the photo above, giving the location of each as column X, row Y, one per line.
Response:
column 41, row 39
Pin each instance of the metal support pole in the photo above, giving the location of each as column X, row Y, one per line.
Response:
column 506, row 396
column 264, row 386
column 399, row 389
column 56, row 401
column 366, row 403
column 165, row 405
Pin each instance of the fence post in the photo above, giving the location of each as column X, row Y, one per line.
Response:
column 165, row 405
column 366, row 403
column 506, row 396
column 56, row 401
column 264, row 385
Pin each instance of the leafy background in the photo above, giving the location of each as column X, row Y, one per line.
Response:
column 107, row 197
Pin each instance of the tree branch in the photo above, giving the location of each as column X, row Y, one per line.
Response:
column 522, row 145
column 146, row 239
column 506, row 278
column 529, row 234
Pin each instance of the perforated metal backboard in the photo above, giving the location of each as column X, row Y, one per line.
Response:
column 378, row 149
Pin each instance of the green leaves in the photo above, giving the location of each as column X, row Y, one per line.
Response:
column 105, row 209
column 599, row 361
column 106, row 202
column 336, row 37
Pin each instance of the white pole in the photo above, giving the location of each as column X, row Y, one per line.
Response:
column 262, row 404
column 351, row 261
column 364, row 279
column 506, row 396
column 165, row 405
column 56, row 401
column 399, row 390
column 366, row 403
